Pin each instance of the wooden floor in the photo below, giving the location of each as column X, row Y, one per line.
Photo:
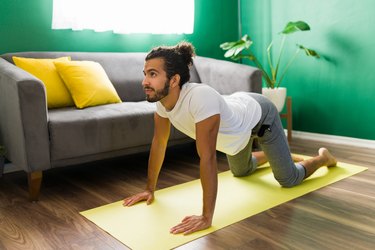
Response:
column 339, row 216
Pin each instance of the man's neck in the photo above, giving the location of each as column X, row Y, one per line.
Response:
column 171, row 99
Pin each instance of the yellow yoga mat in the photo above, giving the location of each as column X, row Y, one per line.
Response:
column 147, row 227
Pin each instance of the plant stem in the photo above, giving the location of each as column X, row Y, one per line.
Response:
column 279, row 59
column 287, row 66
column 270, row 60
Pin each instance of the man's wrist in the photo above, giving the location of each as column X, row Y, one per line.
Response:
column 151, row 190
column 208, row 217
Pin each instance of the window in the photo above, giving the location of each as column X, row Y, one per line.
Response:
column 125, row 16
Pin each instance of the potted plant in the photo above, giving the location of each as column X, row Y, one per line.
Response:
column 274, row 75
column 2, row 159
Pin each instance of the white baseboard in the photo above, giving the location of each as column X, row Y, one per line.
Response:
column 349, row 141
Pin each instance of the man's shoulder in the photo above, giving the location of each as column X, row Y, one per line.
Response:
column 192, row 87
column 201, row 96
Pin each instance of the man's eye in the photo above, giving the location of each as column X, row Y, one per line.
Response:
column 152, row 74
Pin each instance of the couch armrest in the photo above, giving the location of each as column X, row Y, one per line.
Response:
column 228, row 77
column 23, row 118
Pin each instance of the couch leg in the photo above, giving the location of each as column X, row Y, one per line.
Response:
column 35, row 181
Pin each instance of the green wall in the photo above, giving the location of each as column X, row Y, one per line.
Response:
column 26, row 25
column 335, row 94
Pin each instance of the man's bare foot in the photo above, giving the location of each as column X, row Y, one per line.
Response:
column 330, row 160
column 297, row 158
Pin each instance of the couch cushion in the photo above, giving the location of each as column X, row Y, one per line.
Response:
column 87, row 82
column 100, row 129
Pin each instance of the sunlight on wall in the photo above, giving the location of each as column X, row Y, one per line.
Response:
column 125, row 16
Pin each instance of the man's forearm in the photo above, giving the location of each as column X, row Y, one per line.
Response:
column 208, row 174
column 156, row 159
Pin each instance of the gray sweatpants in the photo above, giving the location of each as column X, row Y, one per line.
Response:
column 272, row 140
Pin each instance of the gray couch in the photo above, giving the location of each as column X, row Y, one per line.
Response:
column 37, row 138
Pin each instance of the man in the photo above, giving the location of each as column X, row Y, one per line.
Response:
column 228, row 124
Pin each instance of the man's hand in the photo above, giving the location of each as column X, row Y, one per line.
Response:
column 191, row 224
column 146, row 195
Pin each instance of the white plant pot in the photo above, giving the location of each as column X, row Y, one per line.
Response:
column 276, row 95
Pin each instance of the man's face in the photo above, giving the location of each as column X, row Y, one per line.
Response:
column 155, row 83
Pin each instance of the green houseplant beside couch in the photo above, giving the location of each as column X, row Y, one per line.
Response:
column 38, row 138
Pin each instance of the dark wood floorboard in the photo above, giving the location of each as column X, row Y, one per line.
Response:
column 339, row 216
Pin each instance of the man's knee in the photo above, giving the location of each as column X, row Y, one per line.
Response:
column 289, row 182
column 244, row 171
column 240, row 172
column 293, row 179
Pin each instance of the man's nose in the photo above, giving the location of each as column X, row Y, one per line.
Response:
column 145, row 82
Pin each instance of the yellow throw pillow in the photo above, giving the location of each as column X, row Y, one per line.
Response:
column 87, row 82
column 57, row 94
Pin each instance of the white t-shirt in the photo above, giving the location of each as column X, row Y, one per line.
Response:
column 239, row 113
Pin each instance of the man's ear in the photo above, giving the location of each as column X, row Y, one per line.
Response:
column 175, row 80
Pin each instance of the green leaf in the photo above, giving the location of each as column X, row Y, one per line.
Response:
column 227, row 45
column 292, row 27
column 309, row 52
column 229, row 53
column 238, row 57
column 235, row 48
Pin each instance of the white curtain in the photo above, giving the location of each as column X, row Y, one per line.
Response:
column 125, row 16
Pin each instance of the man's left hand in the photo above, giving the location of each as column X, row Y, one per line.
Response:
column 191, row 224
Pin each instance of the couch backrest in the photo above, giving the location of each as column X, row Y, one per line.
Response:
column 125, row 70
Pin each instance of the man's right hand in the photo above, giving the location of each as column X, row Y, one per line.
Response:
column 146, row 195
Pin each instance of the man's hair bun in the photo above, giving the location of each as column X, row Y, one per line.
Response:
column 187, row 51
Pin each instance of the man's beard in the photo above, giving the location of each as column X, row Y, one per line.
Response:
column 159, row 94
